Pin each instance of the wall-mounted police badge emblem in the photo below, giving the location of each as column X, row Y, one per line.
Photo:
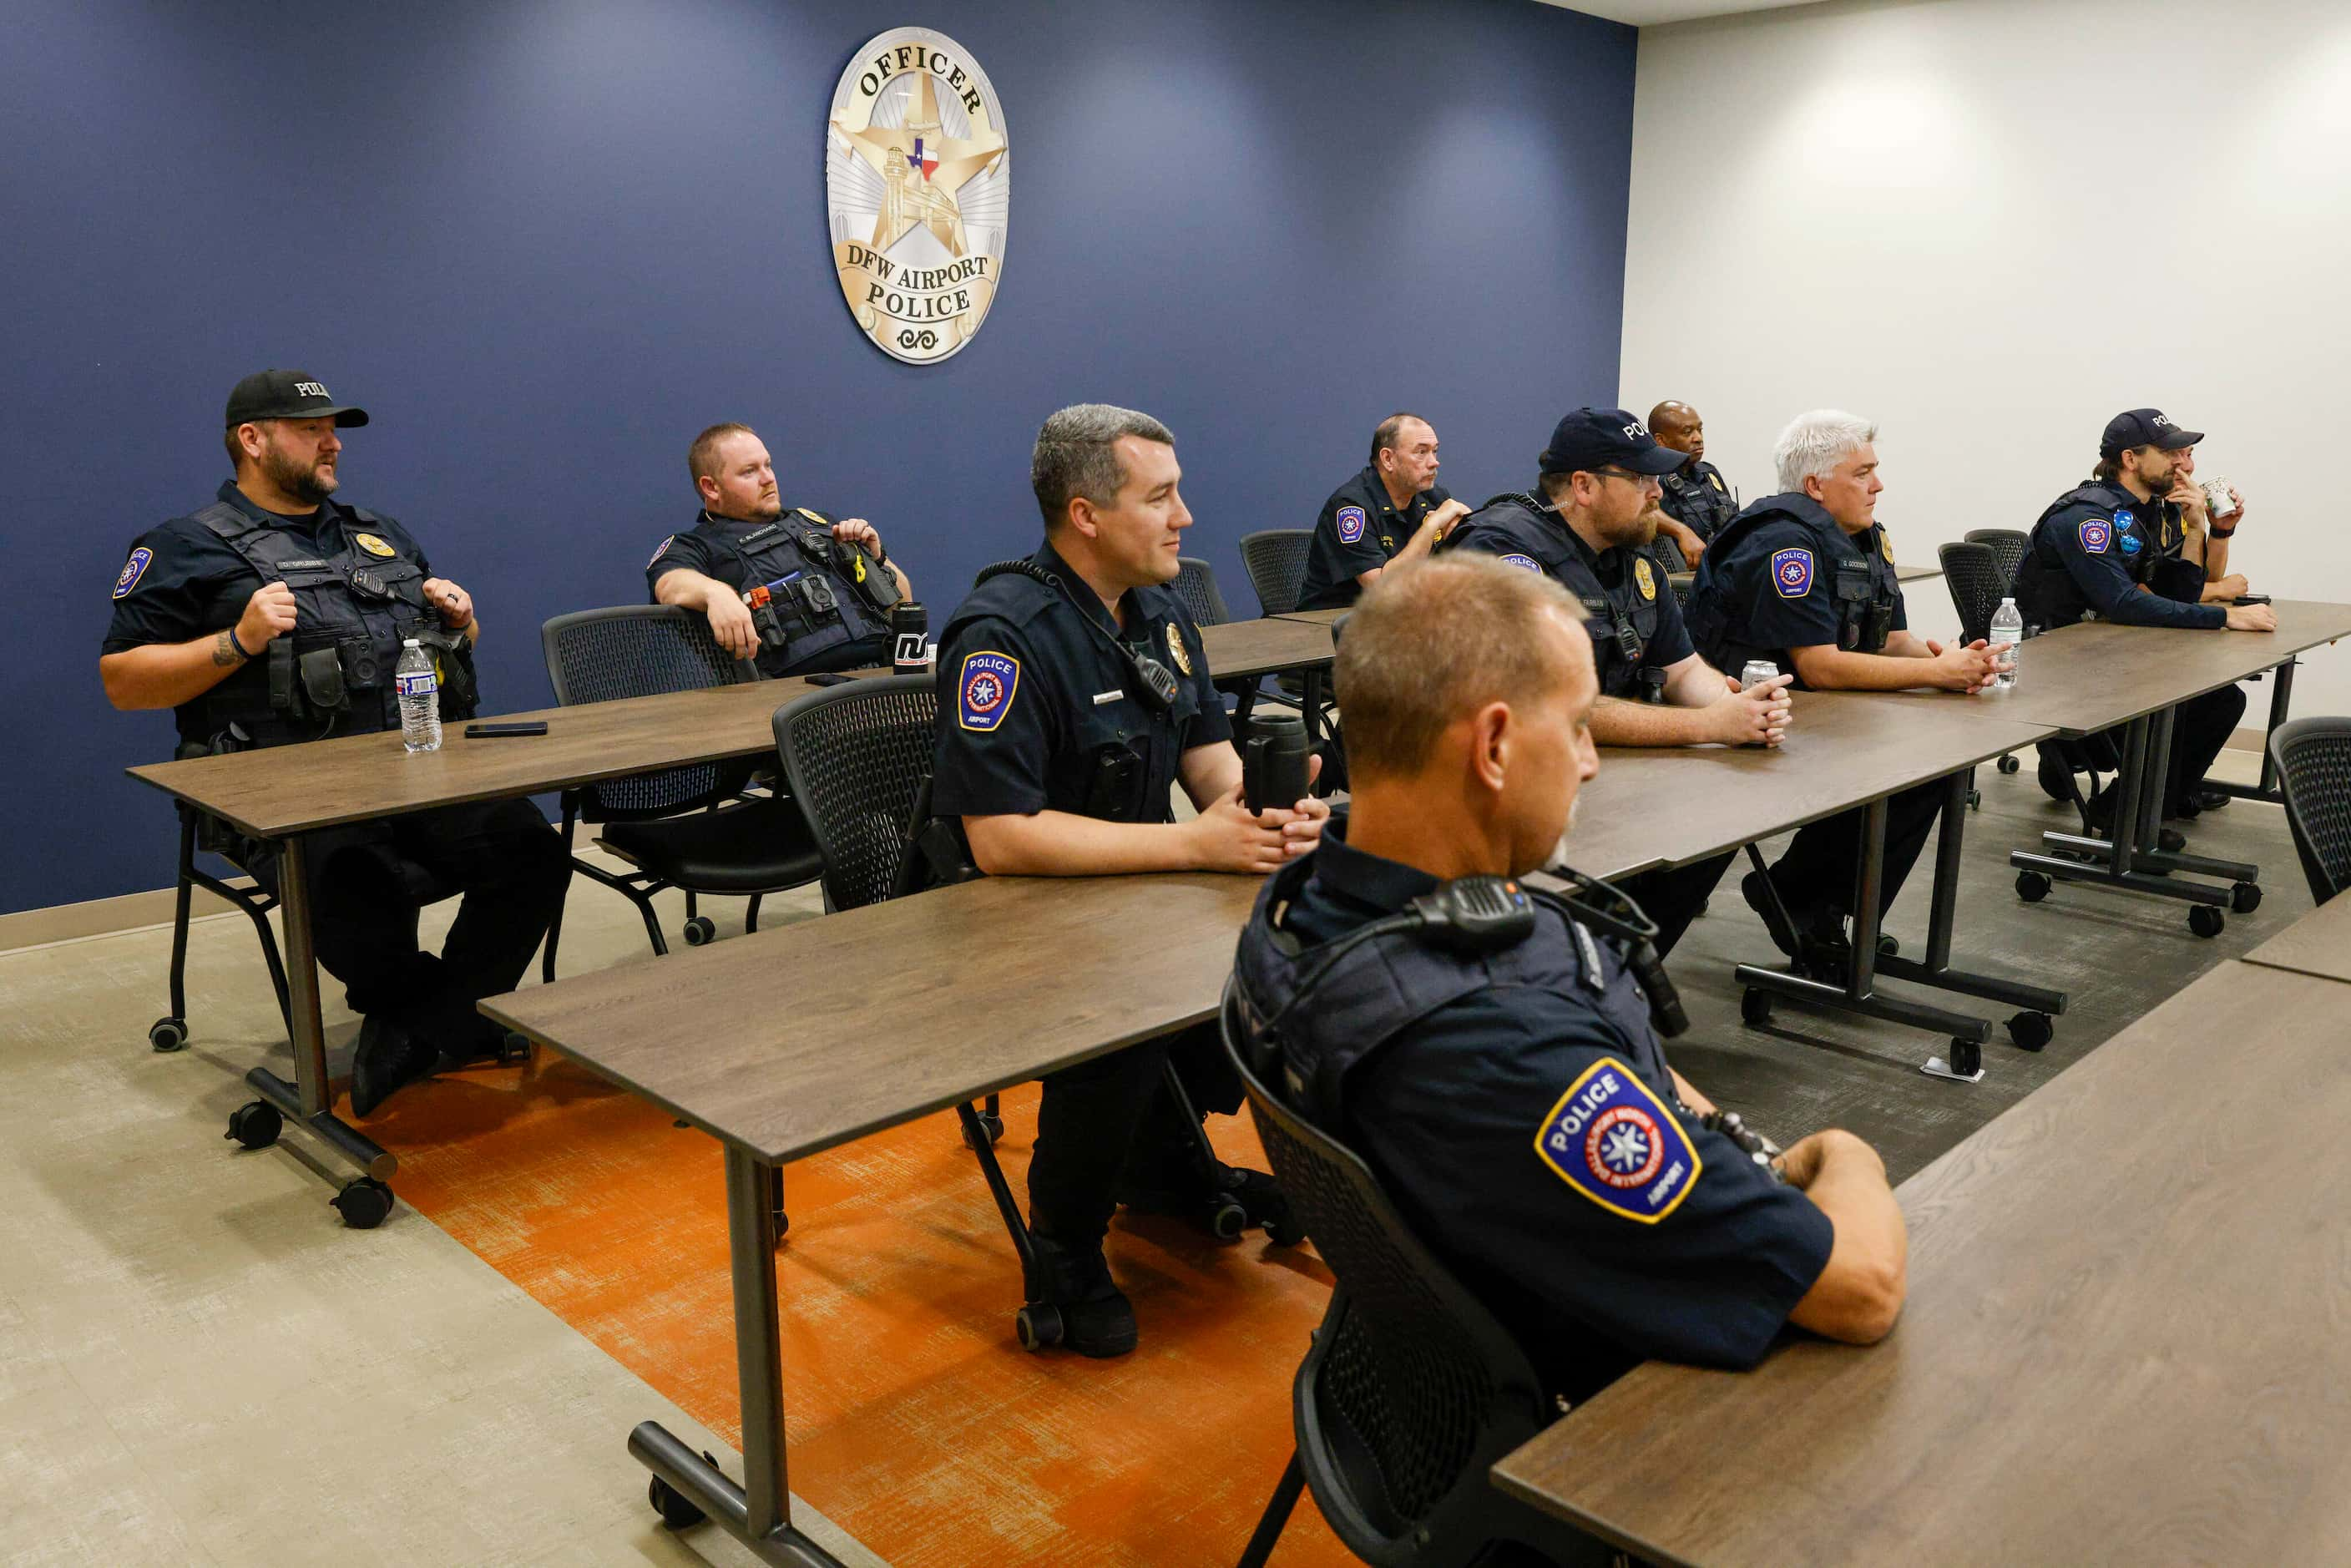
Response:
column 918, row 186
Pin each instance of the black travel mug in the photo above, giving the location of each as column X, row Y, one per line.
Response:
column 1273, row 764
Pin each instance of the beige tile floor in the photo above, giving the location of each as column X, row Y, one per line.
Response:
column 200, row 1364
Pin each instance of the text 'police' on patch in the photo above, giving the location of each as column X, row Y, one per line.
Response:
column 984, row 690
column 1614, row 1142
column 1350, row 524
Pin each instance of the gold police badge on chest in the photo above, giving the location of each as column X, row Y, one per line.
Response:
column 371, row 544
column 1643, row 578
column 1175, row 650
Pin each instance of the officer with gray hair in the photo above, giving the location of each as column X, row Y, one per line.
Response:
column 1804, row 580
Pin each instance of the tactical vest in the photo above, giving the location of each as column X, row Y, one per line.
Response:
column 1624, row 622
column 1862, row 579
column 828, row 594
column 334, row 673
column 1701, row 504
column 2047, row 593
column 1385, row 985
column 1121, row 758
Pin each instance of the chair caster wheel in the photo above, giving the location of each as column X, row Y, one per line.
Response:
column 168, row 1034
column 2030, row 1030
column 2033, row 886
column 514, row 1047
column 1226, row 1217
column 256, row 1124
column 2244, row 897
column 2206, row 921
column 1284, row 1231
column 1755, row 1006
column 676, row 1510
column 364, row 1203
column 700, row 930
column 1039, row 1325
column 1967, row 1058
column 1975, row 800
column 2009, row 764
column 991, row 1126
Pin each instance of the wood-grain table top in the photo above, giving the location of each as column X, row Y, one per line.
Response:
column 279, row 790
column 1314, row 617
column 1844, row 749
column 2096, row 675
column 2124, row 1340
column 2317, row 944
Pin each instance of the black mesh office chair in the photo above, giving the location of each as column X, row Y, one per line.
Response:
column 1411, row 1390
column 1196, row 585
column 2314, row 763
column 1276, row 560
column 690, row 828
column 2008, row 548
column 198, row 831
column 1977, row 583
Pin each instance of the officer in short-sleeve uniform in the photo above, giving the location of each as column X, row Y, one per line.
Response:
column 1696, row 497
column 1519, row 1107
column 1637, row 634
column 1784, row 575
column 823, row 603
column 1040, row 711
column 2099, row 552
column 1359, row 529
column 357, row 580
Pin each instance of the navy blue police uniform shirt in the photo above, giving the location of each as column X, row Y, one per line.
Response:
column 1780, row 580
column 2092, row 550
column 864, row 638
column 182, row 581
column 1031, row 702
column 1359, row 529
column 1695, row 496
column 1615, row 586
column 1456, row 1114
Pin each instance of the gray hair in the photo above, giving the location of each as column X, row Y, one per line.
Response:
column 1815, row 443
column 1075, row 455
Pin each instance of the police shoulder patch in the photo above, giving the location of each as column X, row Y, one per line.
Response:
column 1644, row 578
column 1792, row 572
column 1176, row 649
column 659, row 550
column 132, row 571
column 2096, row 534
column 1528, row 562
column 1612, row 1140
column 984, row 691
column 1350, row 524
column 372, row 545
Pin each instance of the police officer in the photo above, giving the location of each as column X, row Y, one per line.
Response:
column 819, row 591
column 1589, row 530
column 1392, row 512
column 1697, row 502
column 2119, row 549
column 1595, row 1201
column 1073, row 694
column 2222, row 586
column 1805, row 578
column 275, row 615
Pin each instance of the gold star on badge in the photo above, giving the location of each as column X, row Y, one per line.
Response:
column 911, row 197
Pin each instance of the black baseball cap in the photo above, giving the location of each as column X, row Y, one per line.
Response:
column 1591, row 439
column 288, row 394
column 2144, row 427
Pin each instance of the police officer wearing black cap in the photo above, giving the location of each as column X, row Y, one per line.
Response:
column 1511, row 1091
column 1697, row 504
column 1073, row 695
column 1589, row 530
column 1393, row 512
column 1806, row 580
column 275, row 615
column 787, row 587
column 2116, row 549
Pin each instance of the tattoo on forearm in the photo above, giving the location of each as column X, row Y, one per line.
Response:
column 225, row 653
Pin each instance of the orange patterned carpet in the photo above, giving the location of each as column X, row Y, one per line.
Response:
column 917, row 1422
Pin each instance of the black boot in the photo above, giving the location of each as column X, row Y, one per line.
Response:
column 1756, row 889
column 1097, row 1319
column 387, row 1058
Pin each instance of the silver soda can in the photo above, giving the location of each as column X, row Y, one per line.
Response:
column 1757, row 670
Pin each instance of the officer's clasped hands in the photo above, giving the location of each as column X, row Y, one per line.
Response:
column 1961, row 668
column 1758, row 715
column 2251, row 618
column 1227, row 836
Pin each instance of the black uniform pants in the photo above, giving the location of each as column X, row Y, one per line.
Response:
column 1671, row 898
column 1817, row 871
column 2200, row 727
column 366, row 883
column 1110, row 1122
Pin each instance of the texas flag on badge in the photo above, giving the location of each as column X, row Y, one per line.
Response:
column 924, row 162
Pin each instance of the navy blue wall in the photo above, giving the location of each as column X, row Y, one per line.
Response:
column 545, row 243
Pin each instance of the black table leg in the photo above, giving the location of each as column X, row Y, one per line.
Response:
column 759, row 1513
column 2280, row 701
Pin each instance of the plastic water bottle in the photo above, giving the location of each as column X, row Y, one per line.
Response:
column 420, row 698
column 2006, row 631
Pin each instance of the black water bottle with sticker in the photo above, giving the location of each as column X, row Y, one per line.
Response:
column 910, row 631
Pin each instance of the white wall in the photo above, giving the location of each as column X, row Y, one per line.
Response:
column 1991, row 224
